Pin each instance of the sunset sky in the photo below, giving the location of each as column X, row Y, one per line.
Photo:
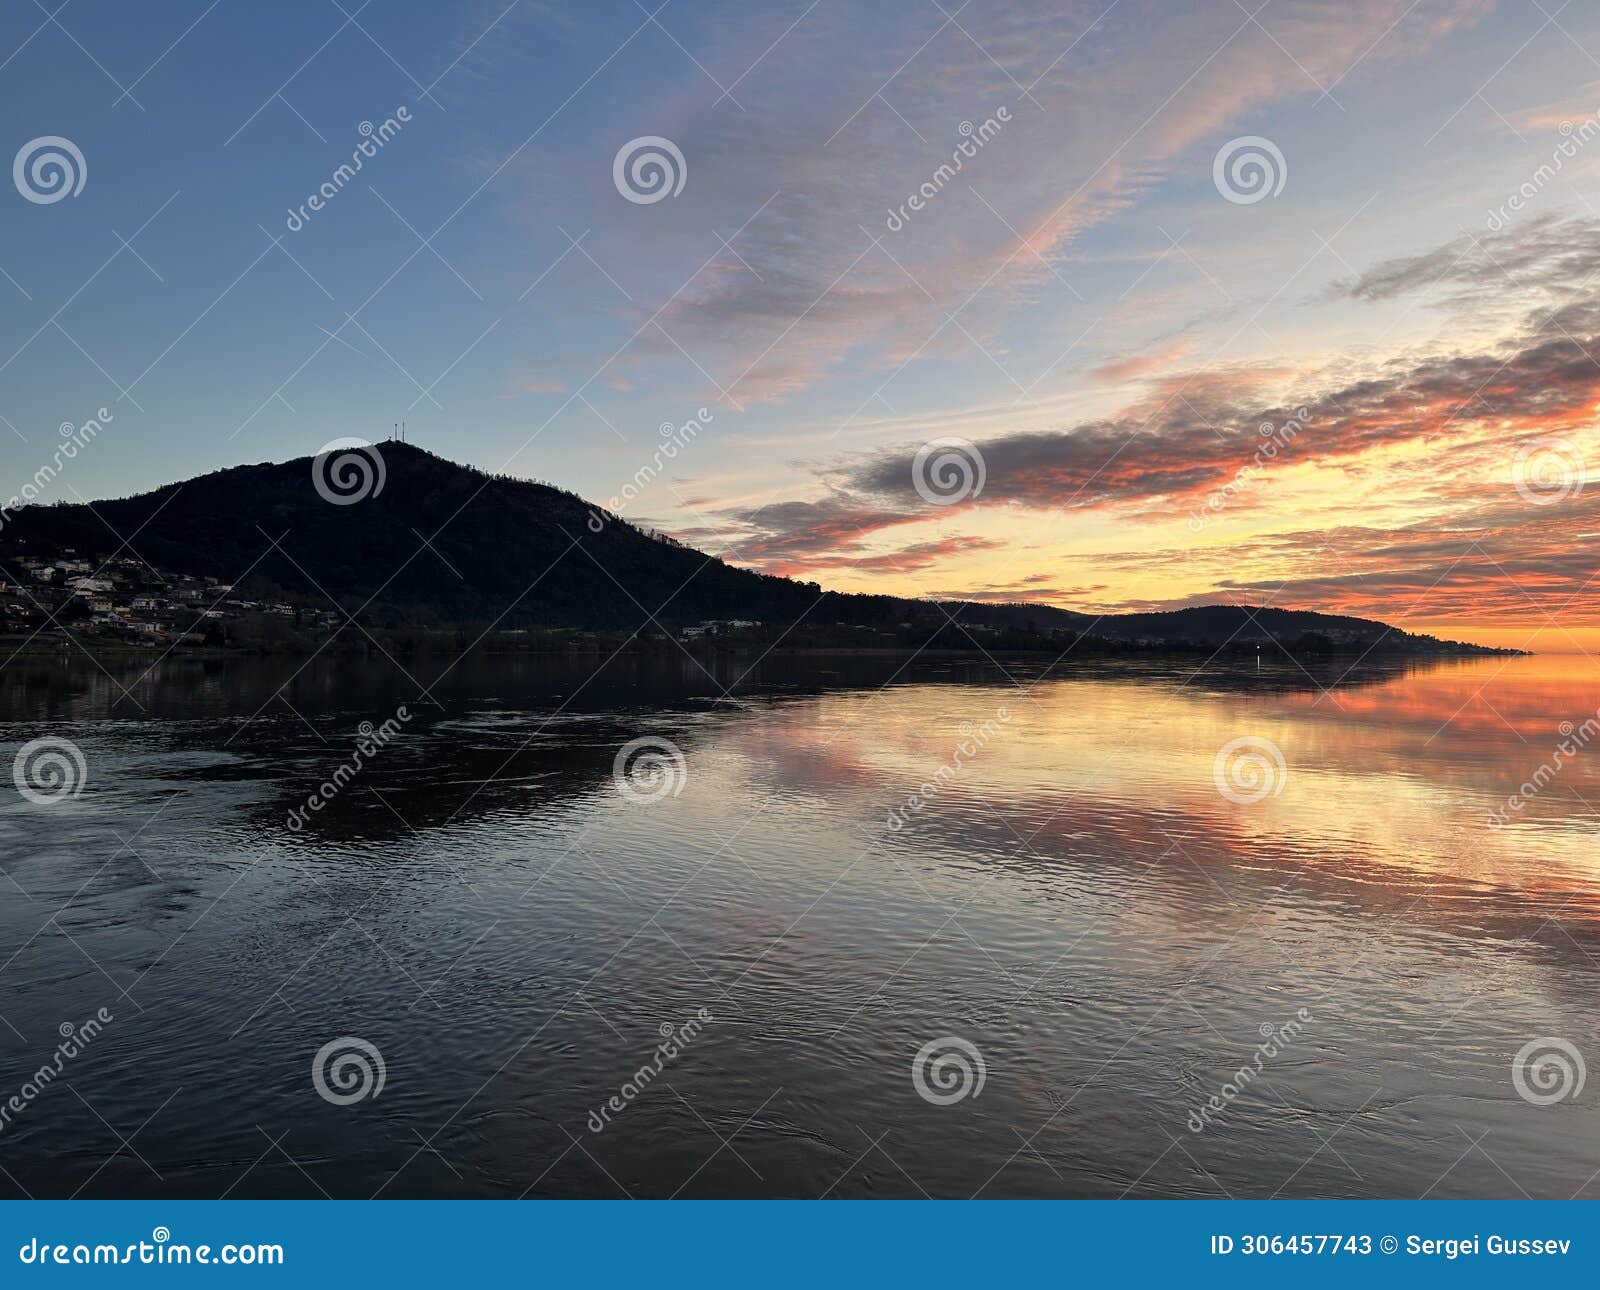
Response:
column 1082, row 301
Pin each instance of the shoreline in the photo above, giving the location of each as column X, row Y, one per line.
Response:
column 15, row 647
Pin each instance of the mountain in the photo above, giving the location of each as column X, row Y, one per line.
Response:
column 432, row 544
column 1216, row 625
column 496, row 548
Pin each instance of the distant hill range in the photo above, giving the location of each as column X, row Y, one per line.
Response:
column 443, row 545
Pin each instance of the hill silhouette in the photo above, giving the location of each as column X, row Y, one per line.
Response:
column 441, row 544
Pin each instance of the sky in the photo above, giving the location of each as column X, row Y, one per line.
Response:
column 1288, row 303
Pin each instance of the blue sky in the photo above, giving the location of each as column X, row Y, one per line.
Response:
column 1081, row 271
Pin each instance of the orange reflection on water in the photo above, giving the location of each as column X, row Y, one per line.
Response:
column 1385, row 794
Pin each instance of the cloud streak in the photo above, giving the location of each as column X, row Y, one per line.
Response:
column 1186, row 443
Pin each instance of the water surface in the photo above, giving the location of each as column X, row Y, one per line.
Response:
column 1075, row 899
